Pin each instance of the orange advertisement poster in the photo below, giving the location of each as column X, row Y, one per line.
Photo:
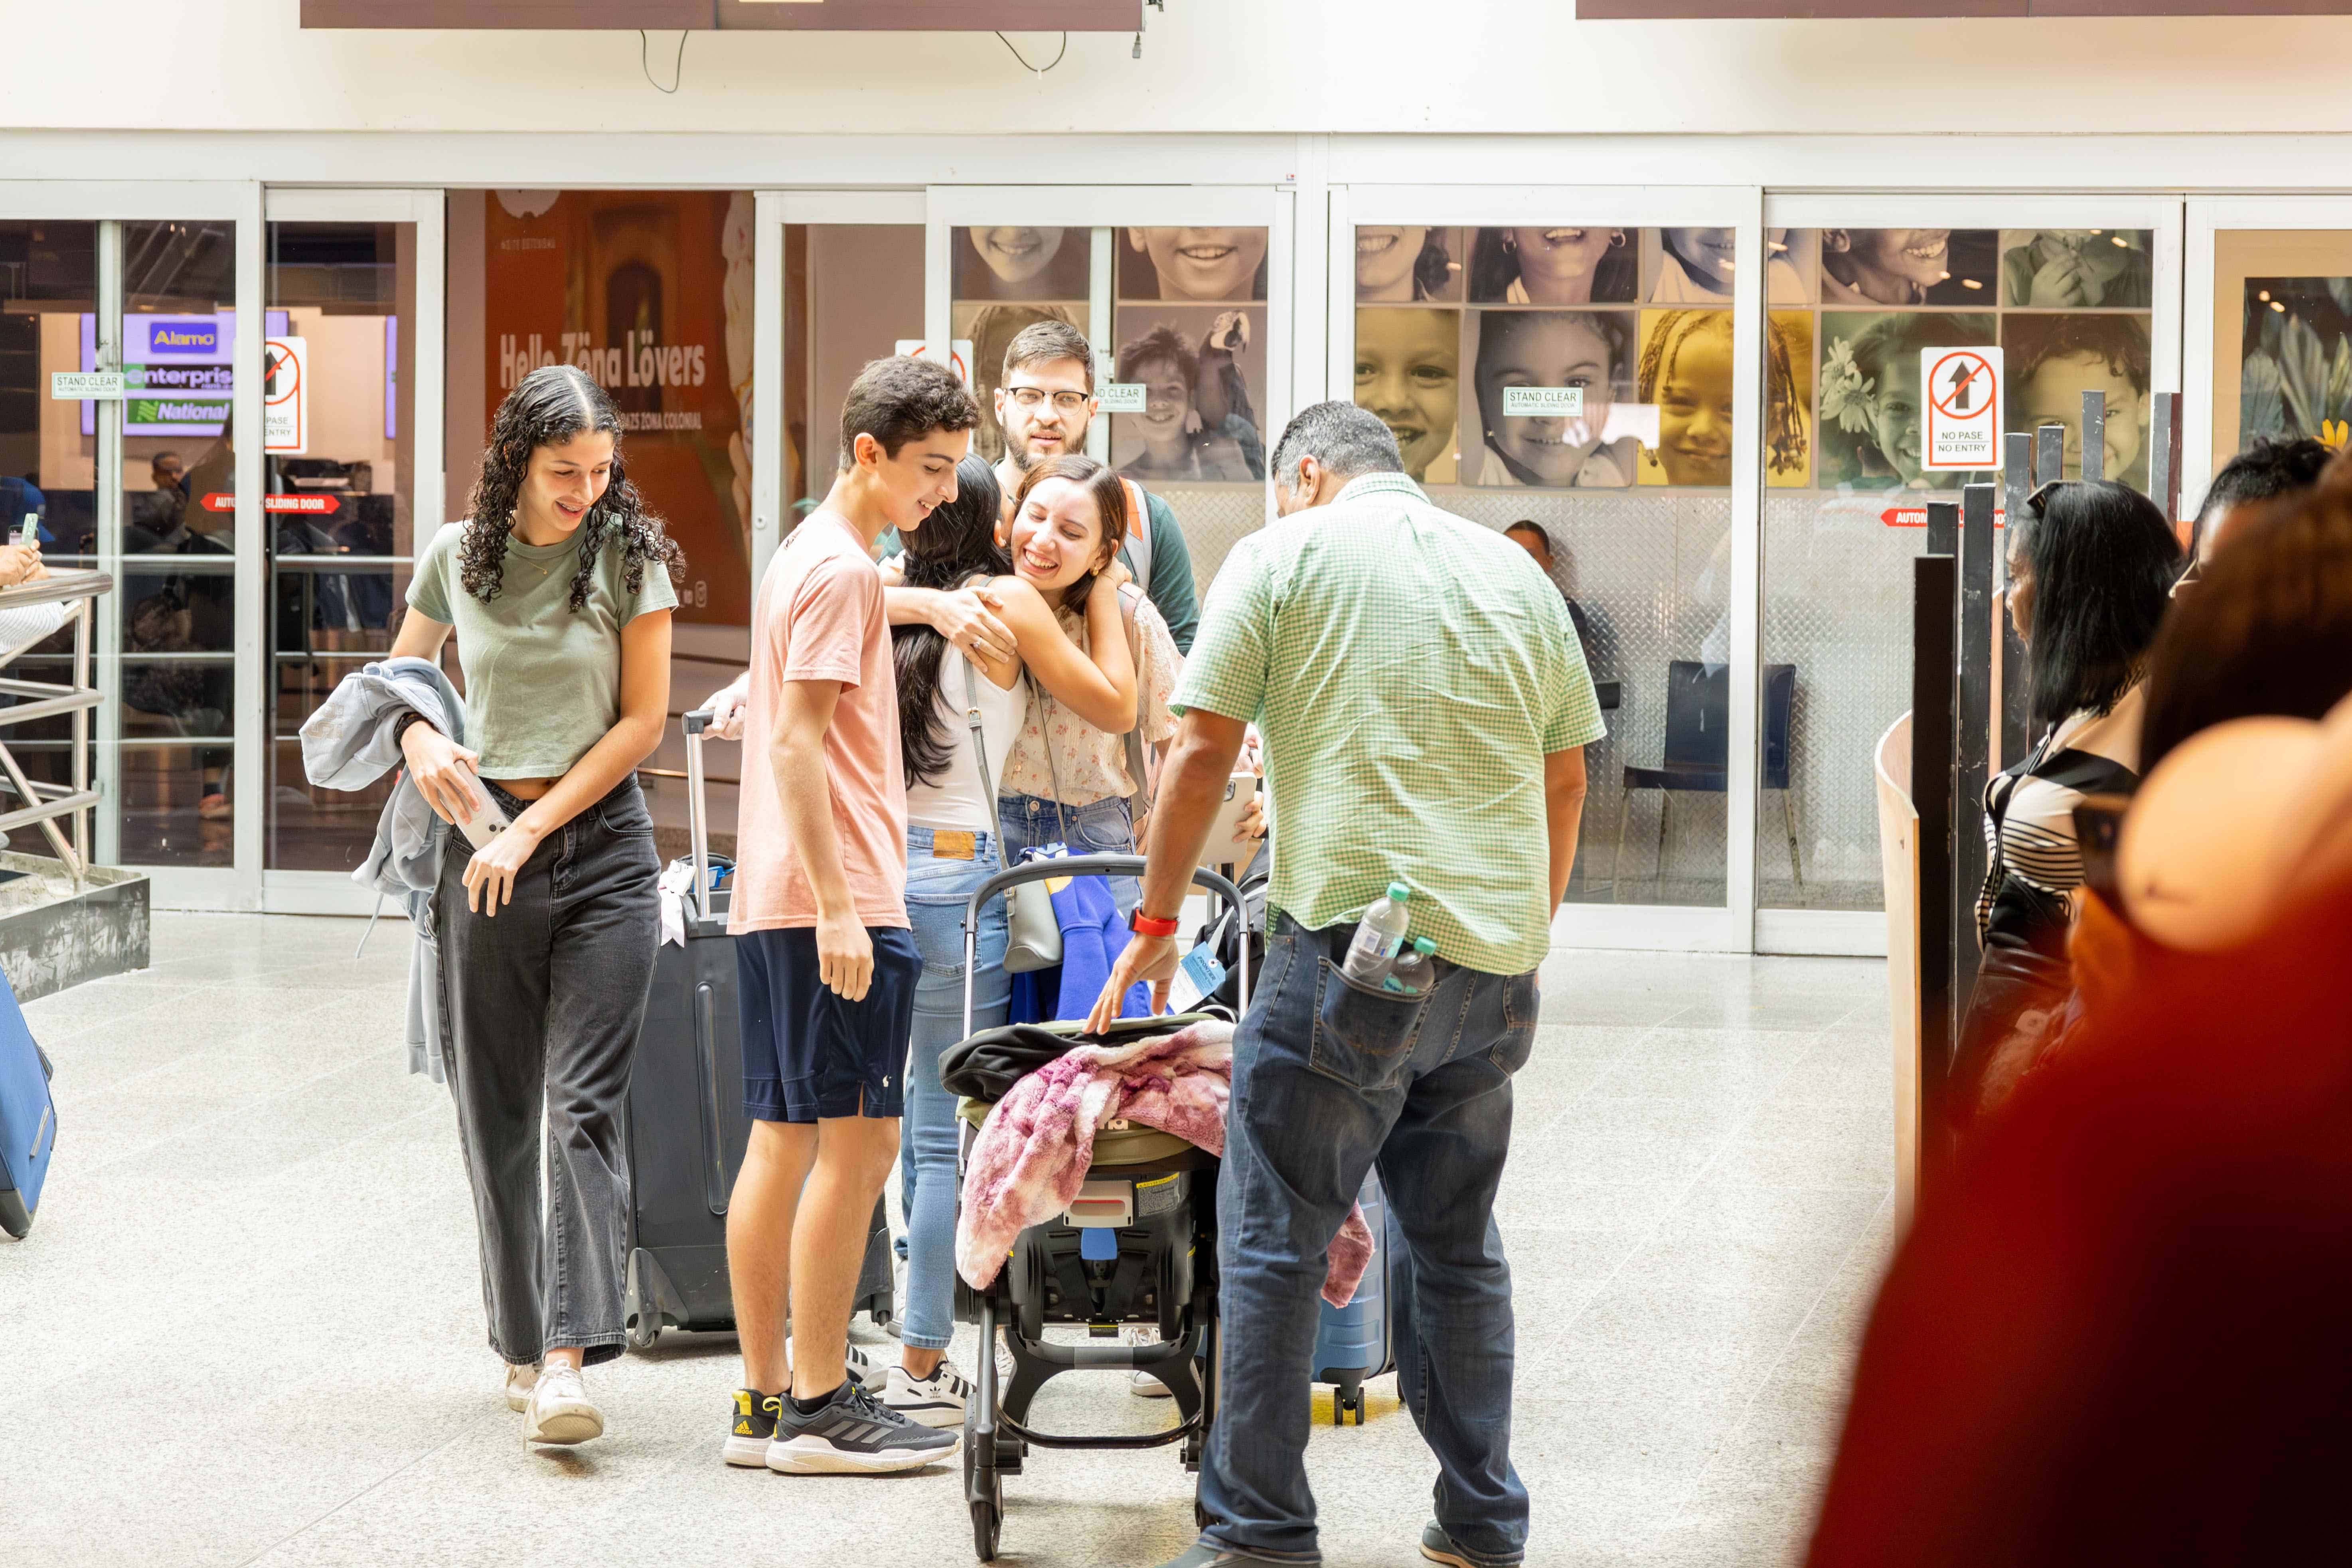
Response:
column 635, row 288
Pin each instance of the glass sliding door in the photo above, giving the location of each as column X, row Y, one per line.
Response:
column 2076, row 293
column 1563, row 367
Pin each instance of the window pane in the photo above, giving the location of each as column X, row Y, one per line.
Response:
column 341, row 527
column 1578, row 378
column 178, row 717
column 49, row 278
column 1849, row 485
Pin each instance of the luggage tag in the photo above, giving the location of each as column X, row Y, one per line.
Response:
column 1199, row 974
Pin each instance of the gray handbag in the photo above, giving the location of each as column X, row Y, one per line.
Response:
column 1033, row 936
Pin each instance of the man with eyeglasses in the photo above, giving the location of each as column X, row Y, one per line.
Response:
column 1045, row 401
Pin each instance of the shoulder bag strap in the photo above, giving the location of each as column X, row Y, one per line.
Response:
column 1045, row 738
column 979, row 740
column 1138, row 759
column 1138, row 544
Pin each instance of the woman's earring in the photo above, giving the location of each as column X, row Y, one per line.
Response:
column 1616, row 240
column 1510, row 242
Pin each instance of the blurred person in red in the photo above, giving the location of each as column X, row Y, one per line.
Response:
column 2123, row 1332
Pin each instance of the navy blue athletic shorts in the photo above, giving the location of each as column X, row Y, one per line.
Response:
column 809, row 1054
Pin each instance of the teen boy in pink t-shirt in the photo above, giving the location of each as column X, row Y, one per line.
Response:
column 827, row 966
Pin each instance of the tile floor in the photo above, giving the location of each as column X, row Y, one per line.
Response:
column 247, row 1326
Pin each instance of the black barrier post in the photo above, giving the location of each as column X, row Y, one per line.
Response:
column 2048, row 453
column 2164, row 456
column 2094, row 434
column 1933, row 594
column 2016, row 481
column 1972, row 731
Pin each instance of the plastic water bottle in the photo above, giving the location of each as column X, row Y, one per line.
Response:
column 1379, row 937
column 1414, row 969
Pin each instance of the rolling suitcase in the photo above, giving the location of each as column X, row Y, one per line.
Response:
column 686, row 1129
column 1358, row 1342
column 28, row 1118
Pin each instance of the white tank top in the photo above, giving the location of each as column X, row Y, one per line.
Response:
column 959, row 800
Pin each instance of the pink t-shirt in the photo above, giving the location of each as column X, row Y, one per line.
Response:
column 819, row 616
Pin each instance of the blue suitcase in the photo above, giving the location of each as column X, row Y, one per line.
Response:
column 1357, row 1341
column 28, row 1118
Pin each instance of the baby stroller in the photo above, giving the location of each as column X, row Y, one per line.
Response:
column 1137, row 1245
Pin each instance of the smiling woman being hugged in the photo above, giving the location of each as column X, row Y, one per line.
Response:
column 559, row 589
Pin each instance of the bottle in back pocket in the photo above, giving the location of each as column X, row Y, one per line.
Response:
column 1416, row 966
column 1379, row 938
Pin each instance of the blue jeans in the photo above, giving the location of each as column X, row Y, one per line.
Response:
column 936, row 892
column 1328, row 1080
column 1103, row 828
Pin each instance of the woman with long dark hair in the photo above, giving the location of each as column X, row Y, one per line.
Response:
column 957, row 720
column 1068, row 780
column 2091, row 567
column 558, row 586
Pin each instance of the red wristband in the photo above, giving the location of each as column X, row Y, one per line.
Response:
column 1143, row 924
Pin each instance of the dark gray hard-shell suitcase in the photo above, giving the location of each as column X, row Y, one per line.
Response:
column 687, row 1127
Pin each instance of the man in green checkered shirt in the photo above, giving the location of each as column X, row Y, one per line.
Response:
column 1424, row 704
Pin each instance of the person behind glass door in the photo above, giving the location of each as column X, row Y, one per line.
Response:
column 557, row 585
column 1409, row 373
column 1536, row 540
column 1397, row 264
column 2091, row 568
column 1063, row 534
column 952, row 838
column 1590, row 350
column 1412, row 670
column 1555, row 265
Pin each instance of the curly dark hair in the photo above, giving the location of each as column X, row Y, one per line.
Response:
column 554, row 404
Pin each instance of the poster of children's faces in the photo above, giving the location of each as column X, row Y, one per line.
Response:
column 1188, row 327
column 1549, row 357
column 1639, row 322
column 2068, row 308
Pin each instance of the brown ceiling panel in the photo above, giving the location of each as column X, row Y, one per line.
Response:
column 811, row 16
column 938, row 15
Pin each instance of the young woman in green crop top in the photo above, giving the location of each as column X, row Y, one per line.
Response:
column 559, row 589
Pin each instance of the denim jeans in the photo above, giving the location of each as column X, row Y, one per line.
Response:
column 936, row 893
column 1328, row 1081
column 1102, row 828
column 541, row 1004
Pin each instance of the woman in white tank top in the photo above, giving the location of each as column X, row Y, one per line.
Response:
column 953, row 846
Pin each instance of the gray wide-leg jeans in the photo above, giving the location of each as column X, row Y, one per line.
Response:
column 541, row 1004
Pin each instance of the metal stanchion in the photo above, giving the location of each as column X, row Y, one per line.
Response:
column 1972, row 727
column 2164, row 456
column 2017, row 483
column 1934, row 611
column 2094, row 434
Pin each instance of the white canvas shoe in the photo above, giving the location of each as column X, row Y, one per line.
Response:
column 520, row 1380
column 559, row 1411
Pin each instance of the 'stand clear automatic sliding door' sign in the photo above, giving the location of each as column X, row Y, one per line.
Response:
column 1963, row 408
column 285, row 396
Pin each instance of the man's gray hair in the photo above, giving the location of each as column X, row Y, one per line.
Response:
column 1346, row 440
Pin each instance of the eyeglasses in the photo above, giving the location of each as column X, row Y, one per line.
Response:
column 1032, row 398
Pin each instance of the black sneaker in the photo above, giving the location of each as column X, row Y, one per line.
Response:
column 752, row 1425
column 1438, row 1547
column 852, row 1434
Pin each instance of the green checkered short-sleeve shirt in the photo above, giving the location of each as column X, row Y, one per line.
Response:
column 1410, row 671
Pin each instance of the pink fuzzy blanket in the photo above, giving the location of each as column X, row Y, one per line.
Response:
column 1031, row 1154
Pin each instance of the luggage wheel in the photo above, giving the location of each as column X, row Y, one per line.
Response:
column 1346, row 1401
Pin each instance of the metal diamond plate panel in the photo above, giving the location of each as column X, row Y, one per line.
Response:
column 1213, row 517
column 1837, row 605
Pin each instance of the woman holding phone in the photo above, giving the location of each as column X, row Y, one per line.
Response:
column 558, row 586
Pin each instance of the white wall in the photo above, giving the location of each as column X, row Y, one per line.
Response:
column 1209, row 66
